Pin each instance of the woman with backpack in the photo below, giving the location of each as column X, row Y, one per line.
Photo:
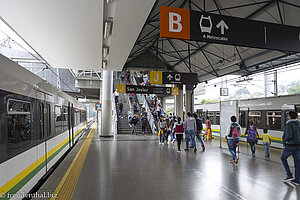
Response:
column 232, row 136
column 252, row 136
column 178, row 129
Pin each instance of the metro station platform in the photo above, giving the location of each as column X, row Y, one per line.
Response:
column 137, row 167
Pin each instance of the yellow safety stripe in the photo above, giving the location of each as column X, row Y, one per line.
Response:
column 67, row 185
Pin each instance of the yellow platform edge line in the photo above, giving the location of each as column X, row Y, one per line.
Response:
column 67, row 185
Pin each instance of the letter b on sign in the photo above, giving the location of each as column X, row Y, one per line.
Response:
column 174, row 19
column 174, row 23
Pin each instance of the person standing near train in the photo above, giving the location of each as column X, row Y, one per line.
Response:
column 252, row 137
column 232, row 136
column 291, row 143
column 208, row 129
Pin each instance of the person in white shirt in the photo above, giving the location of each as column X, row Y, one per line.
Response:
column 232, row 136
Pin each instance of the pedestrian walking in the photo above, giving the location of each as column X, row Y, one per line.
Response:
column 120, row 106
column 291, row 143
column 232, row 136
column 190, row 127
column 178, row 129
column 252, row 137
column 199, row 130
column 266, row 142
column 162, row 130
column 134, row 122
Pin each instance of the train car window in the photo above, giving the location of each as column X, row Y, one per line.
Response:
column 18, row 124
column 58, row 119
column 211, row 117
column 65, row 118
column 49, row 119
column 255, row 117
column 217, row 118
column 274, row 120
column 243, row 119
column 41, row 120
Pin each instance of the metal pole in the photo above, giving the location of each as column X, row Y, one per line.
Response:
column 220, row 126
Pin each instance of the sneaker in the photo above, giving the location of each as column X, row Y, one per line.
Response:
column 232, row 161
column 186, row 149
column 295, row 183
column 159, row 143
column 203, row 148
column 178, row 150
column 195, row 150
column 236, row 160
column 287, row 179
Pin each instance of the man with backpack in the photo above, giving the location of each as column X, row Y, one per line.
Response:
column 291, row 143
column 190, row 127
column 232, row 136
column 199, row 130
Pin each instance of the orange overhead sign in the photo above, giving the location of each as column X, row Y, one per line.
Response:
column 174, row 23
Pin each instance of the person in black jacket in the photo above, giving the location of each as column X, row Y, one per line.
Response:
column 199, row 130
column 134, row 122
column 291, row 143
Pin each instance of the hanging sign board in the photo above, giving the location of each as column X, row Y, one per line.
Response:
column 98, row 106
column 157, row 77
column 137, row 89
column 207, row 27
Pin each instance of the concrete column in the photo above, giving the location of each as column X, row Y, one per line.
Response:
column 188, row 99
column 107, row 92
column 270, row 84
column 179, row 102
column 163, row 103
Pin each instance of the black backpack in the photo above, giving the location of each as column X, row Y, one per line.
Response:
column 199, row 124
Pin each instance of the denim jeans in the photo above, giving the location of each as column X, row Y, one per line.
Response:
column 162, row 136
column 266, row 148
column 252, row 147
column 295, row 152
column 120, row 112
column 232, row 145
column 189, row 134
column 199, row 138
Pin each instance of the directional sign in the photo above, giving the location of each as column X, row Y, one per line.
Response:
column 147, row 89
column 155, row 77
column 173, row 78
column 98, row 106
column 121, row 88
column 208, row 27
column 175, row 91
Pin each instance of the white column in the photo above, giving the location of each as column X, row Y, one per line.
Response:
column 179, row 102
column 188, row 99
column 107, row 91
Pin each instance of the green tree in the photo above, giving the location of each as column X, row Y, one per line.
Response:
column 294, row 87
column 204, row 101
column 242, row 91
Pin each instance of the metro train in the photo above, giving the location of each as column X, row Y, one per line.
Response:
column 266, row 113
column 38, row 124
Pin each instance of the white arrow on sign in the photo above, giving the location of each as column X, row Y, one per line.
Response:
column 223, row 25
column 169, row 77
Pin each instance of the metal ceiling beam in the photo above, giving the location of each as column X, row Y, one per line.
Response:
column 216, row 74
column 177, row 53
column 291, row 4
column 279, row 12
column 260, row 9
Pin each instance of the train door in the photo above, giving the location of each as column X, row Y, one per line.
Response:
column 41, row 148
column 72, row 122
column 297, row 110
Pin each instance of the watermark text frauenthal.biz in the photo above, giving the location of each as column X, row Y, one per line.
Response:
column 43, row 195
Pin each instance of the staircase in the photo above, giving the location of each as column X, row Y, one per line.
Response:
column 123, row 126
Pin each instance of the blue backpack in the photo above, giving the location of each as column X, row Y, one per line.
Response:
column 251, row 136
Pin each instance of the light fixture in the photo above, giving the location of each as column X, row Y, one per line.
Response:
column 105, row 51
column 107, row 28
column 104, row 64
column 244, row 80
column 109, row 1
